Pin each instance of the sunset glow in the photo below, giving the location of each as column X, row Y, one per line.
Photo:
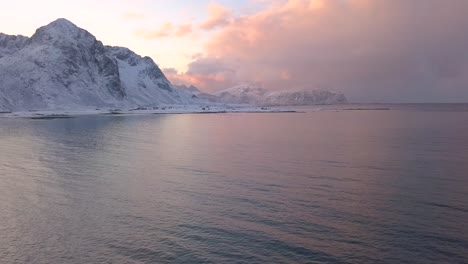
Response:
column 374, row 51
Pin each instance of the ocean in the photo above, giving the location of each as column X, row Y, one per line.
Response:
column 331, row 184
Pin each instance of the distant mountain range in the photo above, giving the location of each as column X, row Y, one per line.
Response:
column 252, row 94
column 65, row 67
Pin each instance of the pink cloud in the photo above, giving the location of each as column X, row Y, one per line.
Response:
column 218, row 16
column 388, row 50
column 184, row 30
column 164, row 31
column 208, row 74
column 133, row 16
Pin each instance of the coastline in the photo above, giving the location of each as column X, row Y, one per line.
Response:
column 59, row 114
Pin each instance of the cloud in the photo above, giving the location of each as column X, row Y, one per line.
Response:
column 183, row 30
column 386, row 50
column 170, row 71
column 133, row 16
column 164, row 31
column 218, row 16
column 208, row 74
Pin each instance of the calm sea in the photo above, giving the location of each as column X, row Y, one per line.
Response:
column 346, row 184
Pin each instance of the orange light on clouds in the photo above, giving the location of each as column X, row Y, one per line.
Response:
column 317, row 4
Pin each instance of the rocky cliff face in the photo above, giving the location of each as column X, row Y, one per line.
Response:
column 11, row 44
column 65, row 67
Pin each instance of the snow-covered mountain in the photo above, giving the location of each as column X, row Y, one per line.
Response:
column 11, row 44
column 243, row 94
column 64, row 67
column 190, row 88
column 197, row 94
column 313, row 97
column 256, row 95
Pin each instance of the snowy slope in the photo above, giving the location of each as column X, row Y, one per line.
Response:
column 313, row 97
column 64, row 67
column 255, row 95
column 243, row 94
column 145, row 83
column 11, row 44
column 190, row 88
column 198, row 95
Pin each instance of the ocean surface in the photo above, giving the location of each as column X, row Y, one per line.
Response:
column 335, row 184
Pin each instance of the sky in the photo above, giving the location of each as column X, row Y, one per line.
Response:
column 371, row 50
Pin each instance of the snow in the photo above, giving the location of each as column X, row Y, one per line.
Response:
column 243, row 94
column 11, row 44
column 190, row 88
column 163, row 109
column 286, row 98
column 256, row 95
column 65, row 69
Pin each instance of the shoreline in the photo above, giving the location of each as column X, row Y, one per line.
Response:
column 64, row 114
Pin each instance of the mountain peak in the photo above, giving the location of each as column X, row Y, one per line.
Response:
column 63, row 66
column 62, row 30
column 62, row 23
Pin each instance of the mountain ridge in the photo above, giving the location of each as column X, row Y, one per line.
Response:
column 62, row 66
column 257, row 95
